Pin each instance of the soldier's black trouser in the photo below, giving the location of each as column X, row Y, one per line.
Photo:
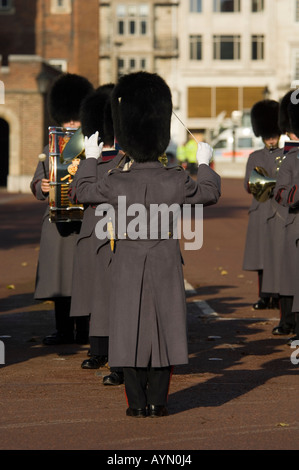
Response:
column 287, row 317
column 65, row 324
column 99, row 346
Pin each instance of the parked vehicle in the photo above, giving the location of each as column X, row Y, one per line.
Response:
column 235, row 144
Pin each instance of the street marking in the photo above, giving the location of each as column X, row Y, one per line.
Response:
column 208, row 312
column 203, row 306
column 2, row 353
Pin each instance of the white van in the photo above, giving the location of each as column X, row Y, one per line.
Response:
column 235, row 145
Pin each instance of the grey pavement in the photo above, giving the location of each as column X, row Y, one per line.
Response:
column 238, row 392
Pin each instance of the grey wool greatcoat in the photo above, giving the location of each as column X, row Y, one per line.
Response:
column 147, row 305
column 287, row 195
column 91, row 259
column 57, row 243
column 258, row 212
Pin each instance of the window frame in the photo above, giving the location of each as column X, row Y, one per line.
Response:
column 219, row 40
column 195, row 6
column 64, row 8
column 258, row 41
column 6, row 8
column 219, row 4
column 257, row 6
column 131, row 64
column 195, row 47
column 132, row 20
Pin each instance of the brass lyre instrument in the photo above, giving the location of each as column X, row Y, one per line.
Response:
column 66, row 150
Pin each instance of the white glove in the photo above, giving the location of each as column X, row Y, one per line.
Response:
column 204, row 153
column 92, row 148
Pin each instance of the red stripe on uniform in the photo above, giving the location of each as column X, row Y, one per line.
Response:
column 278, row 195
column 292, row 194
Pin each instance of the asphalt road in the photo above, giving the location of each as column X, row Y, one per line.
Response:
column 238, row 392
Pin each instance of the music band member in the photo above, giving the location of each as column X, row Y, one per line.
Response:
column 91, row 256
column 58, row 240
column 264, row 119
column 147, row 305
column 286, row 195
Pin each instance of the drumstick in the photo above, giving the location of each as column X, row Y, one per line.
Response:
column 42, row 157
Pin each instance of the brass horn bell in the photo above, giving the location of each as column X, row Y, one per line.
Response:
column 260, row 184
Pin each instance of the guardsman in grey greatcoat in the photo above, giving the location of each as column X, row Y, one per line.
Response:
column 275, row 239
column 91, row 256
column 264, row 119
column 287, row 195
column 147, row 308
column 58, row 240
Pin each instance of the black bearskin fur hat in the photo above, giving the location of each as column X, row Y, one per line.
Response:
column 284, row 117
column 141, row 111
column 96, row 114
column 65, row 97
column 293, row 109
column 264, row 119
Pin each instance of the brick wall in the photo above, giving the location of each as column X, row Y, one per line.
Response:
column 30, row 37
column 70, row 36
column 17, row 29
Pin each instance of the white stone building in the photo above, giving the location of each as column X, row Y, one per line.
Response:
column 217, row 55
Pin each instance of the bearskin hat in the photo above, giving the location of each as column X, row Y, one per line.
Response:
column 264, row 119
column 284, row 116
column 141, row 110
column 65, row 97
column 96, row 114
column 293, row 110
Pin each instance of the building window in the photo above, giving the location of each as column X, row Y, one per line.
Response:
column 130, row 65
column 224, row 6
column 121, row 27
column 195, row 6
column 132, row 27
column 61, row 6
column 227, row 47
column 257, row 47
column 257, row 5
column 59, row 64
column 5, row 5
column 195, row 44
column 132, row 20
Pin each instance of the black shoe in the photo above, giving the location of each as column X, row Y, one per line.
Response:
column 279, row 331
column 261, row 304
column 136, row 413
column 58, row 338
column 94, row 362
column 156, row 411
column 115, row 378
column 290, row 340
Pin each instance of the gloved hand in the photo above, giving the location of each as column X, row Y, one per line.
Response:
column 92, row 148
column 204, row 153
